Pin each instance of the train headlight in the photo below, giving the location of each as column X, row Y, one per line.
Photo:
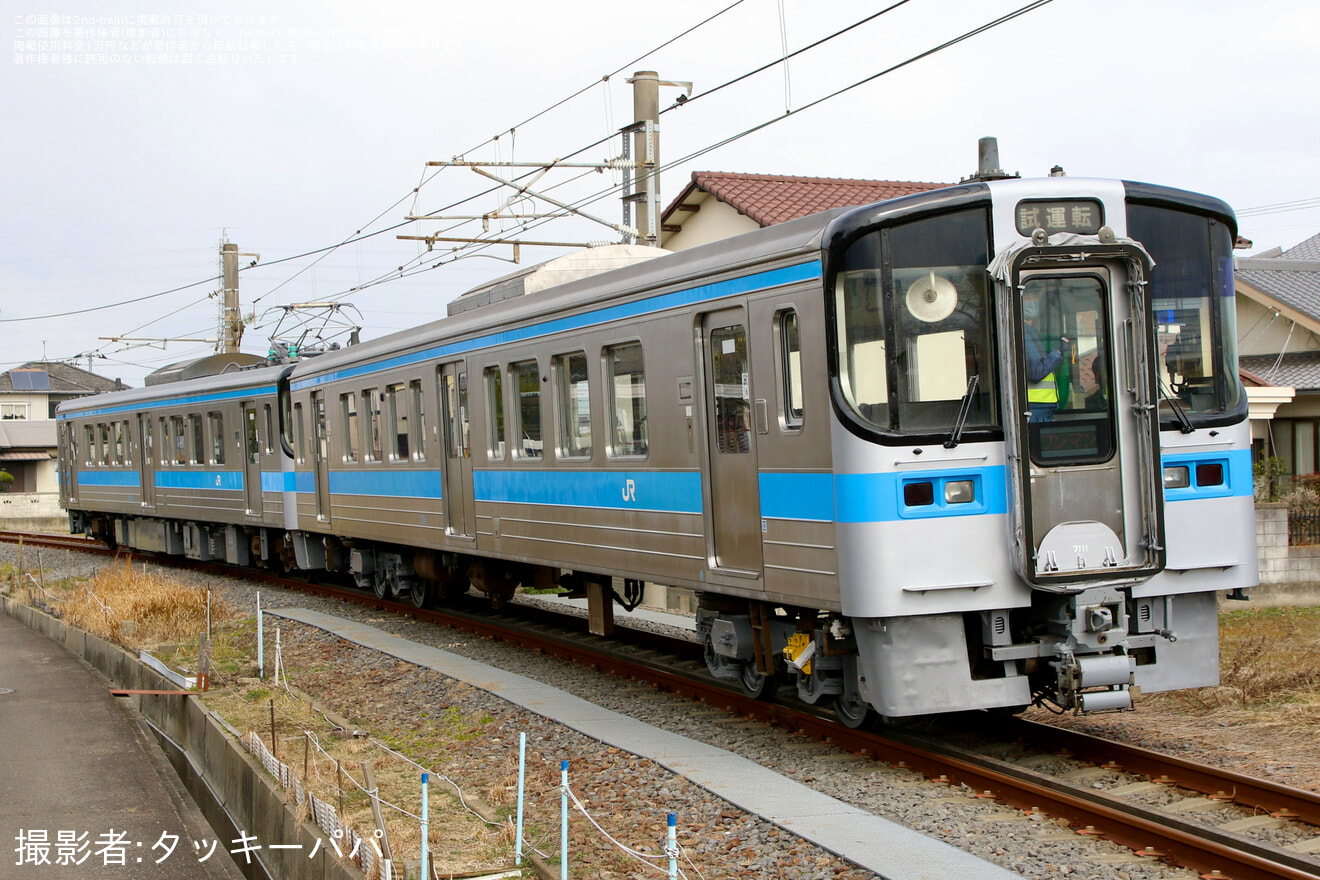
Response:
column 1177, row 477
column 959, row 492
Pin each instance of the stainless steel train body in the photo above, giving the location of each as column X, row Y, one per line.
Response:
column 192, row 468
column 831, row 428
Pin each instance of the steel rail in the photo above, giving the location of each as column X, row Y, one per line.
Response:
column 1283, row 801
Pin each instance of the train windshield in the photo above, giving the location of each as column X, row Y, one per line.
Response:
column 1192, row 294
column 914, row 328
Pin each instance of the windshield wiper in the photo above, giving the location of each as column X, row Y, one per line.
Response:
column 1184, row 424
column 956, row 434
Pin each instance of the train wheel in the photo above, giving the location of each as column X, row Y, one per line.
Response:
column 855, row 713
column 419, row 591
column 380, row 585
column 756, row 685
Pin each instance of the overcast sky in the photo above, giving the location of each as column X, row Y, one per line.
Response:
column 136, row 139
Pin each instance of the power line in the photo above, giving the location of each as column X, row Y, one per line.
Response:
column 1280, row 208
column 784, row 59
column 127, row 302
column 614, row 72
column 528, row 226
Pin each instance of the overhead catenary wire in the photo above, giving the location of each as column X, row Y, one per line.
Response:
column 556, row 105
column 586, row 200
column 359, row 235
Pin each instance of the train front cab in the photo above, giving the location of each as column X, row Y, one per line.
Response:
column 1038, row 538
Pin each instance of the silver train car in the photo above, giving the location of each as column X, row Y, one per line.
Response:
column 967, row 449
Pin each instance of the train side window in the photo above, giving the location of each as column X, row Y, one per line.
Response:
column 298, row 436
column 180, row 440
column 398, row 418
column 371, row 406
column 253, row 440
column 626, row 379
column 494, row 414
column 790, row 369
column 573, row 405
column 106, row 450
column 89, row 444
column 527, row 414
column 419, row 420
column 729, row 369
column 198, row 439
column 216, row 422
column 269, row 444
column 348, row 405
column 117, row 433
column 164, row 433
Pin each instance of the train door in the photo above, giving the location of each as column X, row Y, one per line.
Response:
column 460, row 506
column 321, row 457
column 734, row 524
column 252, row 460
column 146, row 460
column 1086, row 471
column 69, row 462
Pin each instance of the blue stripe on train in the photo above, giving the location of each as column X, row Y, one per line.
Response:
column 109, row 478
column 389, row 484
column 228, row 481
column 862, row 498
column 1236, row 474
column 663, row 491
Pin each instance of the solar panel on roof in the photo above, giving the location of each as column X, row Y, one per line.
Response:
column 29, row 380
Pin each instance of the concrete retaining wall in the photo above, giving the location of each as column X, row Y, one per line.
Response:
column 32, row 512
column 241, row 793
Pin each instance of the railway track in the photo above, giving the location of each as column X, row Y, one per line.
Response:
column 675, row 665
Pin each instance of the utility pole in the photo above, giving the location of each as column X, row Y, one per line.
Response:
column 641, row 191
column 231, row 321
column 644, row 193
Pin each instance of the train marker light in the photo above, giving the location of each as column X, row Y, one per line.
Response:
column 959, row 492
column 1177, row 478
column 918, row 494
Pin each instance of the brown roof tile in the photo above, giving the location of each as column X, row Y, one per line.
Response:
column 773, row 198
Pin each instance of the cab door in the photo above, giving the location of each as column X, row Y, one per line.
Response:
column 1088, row 505
column 734, row 524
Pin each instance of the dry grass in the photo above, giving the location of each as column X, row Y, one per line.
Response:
column 330, row 765
column 1268, row 664
column 162, row 609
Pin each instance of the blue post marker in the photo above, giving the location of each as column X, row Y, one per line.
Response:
column 673, row 847
column 563, row 819
column 425, row 777
column 522, row 776
column 261, row 642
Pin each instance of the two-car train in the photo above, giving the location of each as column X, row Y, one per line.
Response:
column 963, row 449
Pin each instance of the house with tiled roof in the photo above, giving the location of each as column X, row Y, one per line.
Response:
column 719, row 204
column 1278, row 316
column 28, row 397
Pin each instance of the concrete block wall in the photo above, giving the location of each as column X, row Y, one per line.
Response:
column 1281, row 564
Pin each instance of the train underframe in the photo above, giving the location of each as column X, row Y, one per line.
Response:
column 1090, row 651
